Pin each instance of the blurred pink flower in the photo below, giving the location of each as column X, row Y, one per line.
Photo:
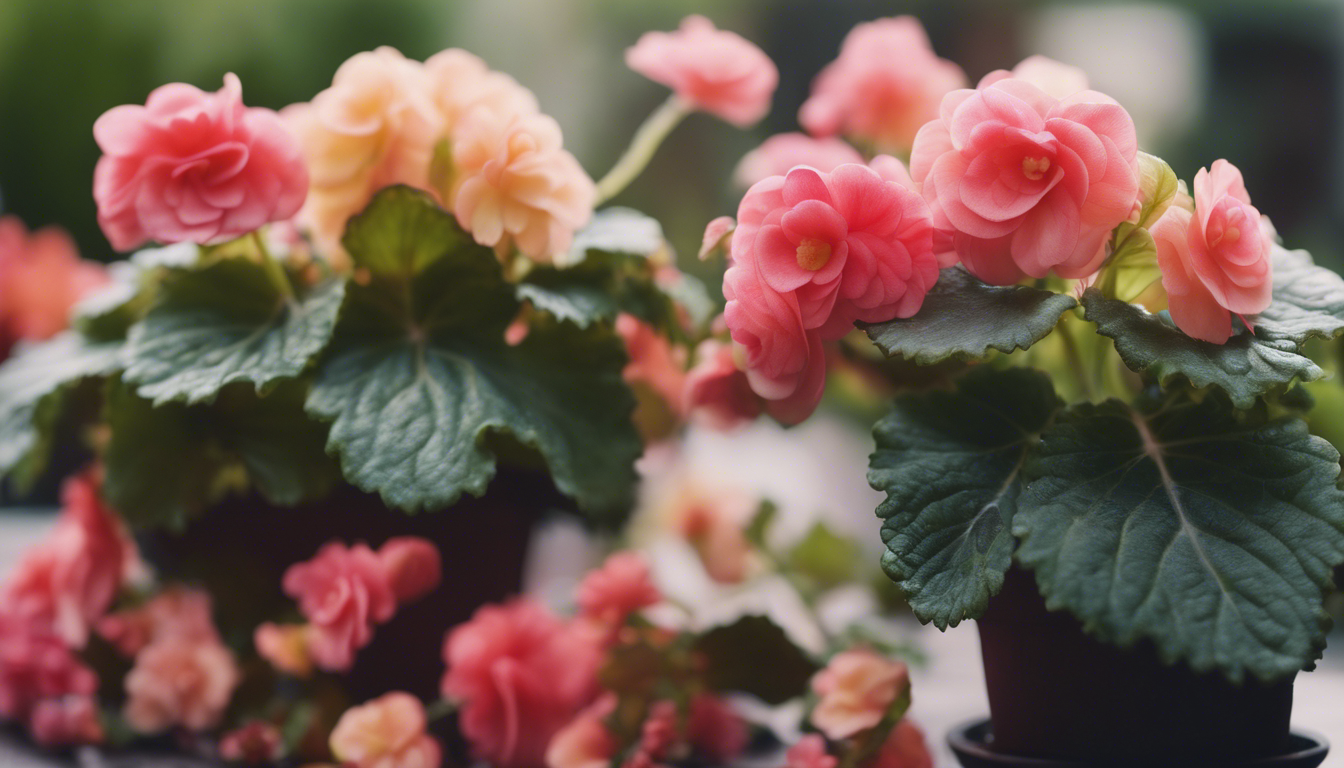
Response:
column 256, row 743
column 66, row 720
column 194, row 166
column 342, row 591
column 585, row 742
column 783, row 152
column 176, row 611
column 41, row 279
column 712, row 70
column 717, row 393
column 1058, row 80
column 716, row 730
column 718, row 235
column 520, row 675
column 1215, row 261
column 856, row 689
column 886, row 83
column 388, row 732
column 619, row 588
column 285, row 646
column 516, row 185
column 1028, row 184
column 904, row 748
column 36, row 665
column 654, row 362
column 413, row 567
column 179, row 680
column 69, row 580
column 809, row 752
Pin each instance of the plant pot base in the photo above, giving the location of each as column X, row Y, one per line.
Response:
column 972, row 744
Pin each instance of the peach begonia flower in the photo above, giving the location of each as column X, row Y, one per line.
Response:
column 520, row 675
column 176, row 611
column 617, row 589
column 285, row 646
column 1214, row 261
column 712, row 70
column 904, row 748
column 717, row 393
column 460, row 82
column 388, row 732
column 66, row 720
column 714, row 523
column 585, row 742
column 1026, row 183
column 783, row 152
column 343, row 592
column 516, row 185
column 41, row 278
column 1058, row 80
column 885, row 85
column 809, row 752
column 856, row 689
column 68, row 581
column 191, row 166
column 180, row 680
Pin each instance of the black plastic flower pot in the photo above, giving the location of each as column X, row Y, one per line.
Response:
column 1056, row 693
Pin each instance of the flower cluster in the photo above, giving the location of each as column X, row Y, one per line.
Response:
column 41, row 279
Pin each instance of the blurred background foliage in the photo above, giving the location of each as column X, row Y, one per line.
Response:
column 1257, row 83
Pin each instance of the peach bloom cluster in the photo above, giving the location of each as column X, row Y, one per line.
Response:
column 1215, row 259
column 343, row 592
column 709, row 69
column 183, row 674
column 451, row 126
column 388, row 732
column 813, row 253
column 41, row 278
column 855, row 691
column 1027, row 183
column 68, row 581
column 191, row 166
column 43, row 684
column 886, row 84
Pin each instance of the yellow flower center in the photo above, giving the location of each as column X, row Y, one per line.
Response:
column 1035, row 167
column 813, row 254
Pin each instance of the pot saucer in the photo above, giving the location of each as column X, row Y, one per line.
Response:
column 970, row 743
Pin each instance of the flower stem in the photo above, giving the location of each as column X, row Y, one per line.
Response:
column 273, row 269
column 642, row 147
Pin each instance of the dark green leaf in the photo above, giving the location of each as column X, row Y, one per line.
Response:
column 283, row 450
column 227, row 322
column 950, row 464
column 1202, row 529
column 616, row 230
column 1308, row 300
column 582, row 295
column 963, row 318
column 33, row 386
column 400, row 233
column 753, row 655
column 1245, row 367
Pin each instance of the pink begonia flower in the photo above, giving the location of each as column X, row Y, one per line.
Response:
column 716, row 730
column 718, row 236
column 256, row 743
column 68, row 581
column 343, row 592
column 36, row 665
column 41, row 278
column 1026, row 183
column 413, row 566
column 809, row 752
column 717, row 393
column 783, row 152
column 285, row 646
column 622, row 586
column 388, row 732
column 712, row 70
column 856, row 689
column 885, row 85
column 179, row 680
column 1058, row 80
column 1214, row 261
column 516, row 185
column 653, row 360
column 585, row 742
column 194, row 166
column 520, row 675
column 904, row 748
column 176, row 611
column 66, row 720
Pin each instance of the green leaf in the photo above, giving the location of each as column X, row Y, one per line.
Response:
column 282, row 449
column 964, row 318
column 825, row 557
column 419, row 374
column 1308, row 300
column 1133, row 266
column 616, row 230
column 757, row 530
column 33, row 386
column 1158, row 186
column 1245, row 367
column 1206, row 531
column 227, row 322
column 753, row 655
column 582, row 294
column 951, row 466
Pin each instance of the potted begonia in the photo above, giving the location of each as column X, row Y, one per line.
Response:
column 1116, row 480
